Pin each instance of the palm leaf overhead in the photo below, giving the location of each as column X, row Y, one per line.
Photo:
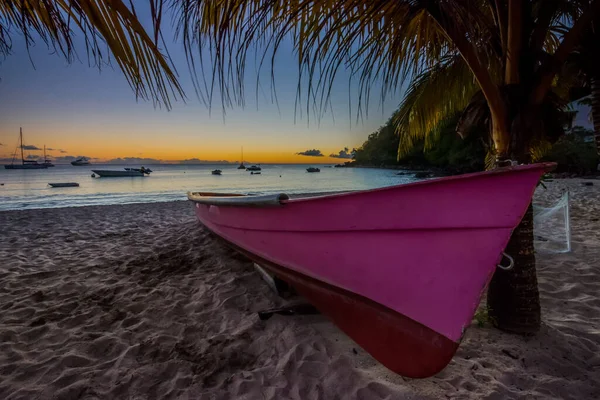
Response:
column 378, row 41
column 384, row 43
column 433, row 96
column 106, row 25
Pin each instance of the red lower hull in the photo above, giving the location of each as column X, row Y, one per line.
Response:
column 382, row 332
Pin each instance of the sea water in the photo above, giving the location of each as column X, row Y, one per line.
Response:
column 25, row 189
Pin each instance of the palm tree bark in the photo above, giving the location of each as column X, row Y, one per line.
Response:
column 513, row 298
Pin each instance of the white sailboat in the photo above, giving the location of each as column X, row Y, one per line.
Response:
column 25, row 164
column 242, row 166
column 47, row 162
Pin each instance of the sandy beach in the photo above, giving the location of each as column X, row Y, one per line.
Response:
column 140, row 302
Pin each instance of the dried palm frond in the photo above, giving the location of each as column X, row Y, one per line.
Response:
column 110, row 23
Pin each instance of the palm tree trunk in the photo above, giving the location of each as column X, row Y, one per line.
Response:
column 513, row 299
column 595, row 83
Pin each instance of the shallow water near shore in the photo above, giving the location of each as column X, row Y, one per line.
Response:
column 28, row 189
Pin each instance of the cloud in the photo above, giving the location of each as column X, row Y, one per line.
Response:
column 63, row 151
column 51, row 149
column 199, row 161
column 65, row 159
column 30, row 147
column 31, row 157
column 311, row 153
column 1, row 144
column 345, row 153
column 133, row 160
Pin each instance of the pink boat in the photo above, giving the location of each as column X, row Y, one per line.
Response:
column 399, row 269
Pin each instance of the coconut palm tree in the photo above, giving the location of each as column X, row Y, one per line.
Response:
column 109, row 28
column 512, row 50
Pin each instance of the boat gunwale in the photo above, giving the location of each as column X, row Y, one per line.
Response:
column 242, row 200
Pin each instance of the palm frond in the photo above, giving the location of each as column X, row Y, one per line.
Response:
column 436, row 94
column 109, row 23
column 383, row 42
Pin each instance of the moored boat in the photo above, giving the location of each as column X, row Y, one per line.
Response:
column 216, row 172
column 399, row 269
column 313, row 169
column 80, row 161
column 242, row 166
column 25, row 164
column 124, row 173
column 254, row 168
column 64, row 184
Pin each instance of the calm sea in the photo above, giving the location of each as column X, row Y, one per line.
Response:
column 25, row 189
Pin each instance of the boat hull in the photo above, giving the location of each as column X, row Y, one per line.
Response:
column 117, row 174
column 64, row 184
column 26, row 166
column 401, row 269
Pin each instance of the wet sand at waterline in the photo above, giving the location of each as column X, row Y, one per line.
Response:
column 138, row 301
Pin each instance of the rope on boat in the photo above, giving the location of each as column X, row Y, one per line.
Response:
column 511, row 262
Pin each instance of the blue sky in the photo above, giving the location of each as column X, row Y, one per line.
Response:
column 86, row 112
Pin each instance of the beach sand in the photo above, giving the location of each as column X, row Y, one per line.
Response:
column 139, row 301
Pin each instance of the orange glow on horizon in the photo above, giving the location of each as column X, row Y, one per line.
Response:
column 107, row 147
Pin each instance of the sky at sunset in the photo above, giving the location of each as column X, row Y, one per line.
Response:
column 77, row 111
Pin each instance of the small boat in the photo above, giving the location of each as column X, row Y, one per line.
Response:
column 80, row 161
column 145, row 170
column 124, row 173
column 312, row 169
column 216, row 172
column 254, row 168
column 25, row 164
column 64, row 184
column 255, row 173
column 399, row 269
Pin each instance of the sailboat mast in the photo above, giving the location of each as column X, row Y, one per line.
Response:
column 21, row 137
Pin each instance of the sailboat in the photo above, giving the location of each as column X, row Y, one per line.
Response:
column 25, row 164
column 47, row 162
column 242, row 166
